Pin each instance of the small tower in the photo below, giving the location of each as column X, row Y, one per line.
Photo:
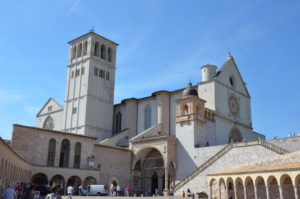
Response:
column 88, row 107
column 208, row 72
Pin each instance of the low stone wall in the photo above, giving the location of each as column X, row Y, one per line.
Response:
column 121, row 197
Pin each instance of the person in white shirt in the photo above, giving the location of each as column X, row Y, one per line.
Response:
column 9, row 193
column 70, row 192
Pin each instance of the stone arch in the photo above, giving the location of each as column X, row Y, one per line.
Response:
column 51, row 152
column 59, row 181
column 273, row 187
column 64, row 153
column 74, row 181
column 103, row 51
column 49, row 123
column 239, row 186
column 109, row 53
column 250, row 194
column 79, row 51
column 222, row 185
column 147, row 117
column 97, row 49
column 213, row 184
column 230, row 188
column 235, row 135
column 89, row 180
column 287, row 187
column 297, row 184
column 39, row 179
column 147, row 161
column 260, row 187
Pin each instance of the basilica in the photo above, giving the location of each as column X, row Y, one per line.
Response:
column 199, row 137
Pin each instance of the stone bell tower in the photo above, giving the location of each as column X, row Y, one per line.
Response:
column 88, row 107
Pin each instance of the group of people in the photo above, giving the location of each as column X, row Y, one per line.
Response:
column 188, row 193
column 21, row 191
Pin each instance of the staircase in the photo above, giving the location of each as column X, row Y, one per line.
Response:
column 223, row 151
column 202, row 167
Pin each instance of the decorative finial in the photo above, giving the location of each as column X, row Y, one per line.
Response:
column 229, row 54
column 190, row 83
column 92, row 29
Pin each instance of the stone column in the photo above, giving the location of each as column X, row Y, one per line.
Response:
column 267, row 192
column 296, row 191
column 245, row 191
column 235, row 190
column 255, row 191
column 219, row 190
column 163, row 110
column 166, row 188
column 280, row 192
column 131, row 114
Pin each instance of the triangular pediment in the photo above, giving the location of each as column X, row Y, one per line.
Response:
column 230, row 75
column 49, row 107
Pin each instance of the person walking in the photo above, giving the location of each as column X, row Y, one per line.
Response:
column 70, row 192
column 183, row 194
column 53, row 194
column 9, row 193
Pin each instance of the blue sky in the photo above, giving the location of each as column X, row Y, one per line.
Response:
column 163, row 44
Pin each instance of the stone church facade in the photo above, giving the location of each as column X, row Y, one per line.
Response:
column 168, row 140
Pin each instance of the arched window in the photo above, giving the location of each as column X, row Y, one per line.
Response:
column 79, row 51
column 103, row 51
column 49, row 123
column 147, row 117
column 64, row 153
column 235, row 136
column 185, row 109
column 51, row 152
column 97, row 50
column 77, row 155
column 109, row 54
column 118, row 122
column 85, row 48
column 74, row 52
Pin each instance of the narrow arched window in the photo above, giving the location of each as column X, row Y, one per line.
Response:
column 85, row 48
column 77, row 155
column 49, row 123
column 118, row 122
column 103, row 51
column 147, row 117
column 79, row 51
column 51, row 152
column 74, row 52
column 64, row 153
column 109, row 54
column 97, row 49
column 186, row 110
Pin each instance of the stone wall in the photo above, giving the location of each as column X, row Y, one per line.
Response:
column 113, row 164
column 13, row 168
column 232, row 158
column 32, row 144
column 290, row 143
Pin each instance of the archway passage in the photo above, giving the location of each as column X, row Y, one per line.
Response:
column 214, row 189
column 154, row 183
column 223, row 189
column 59, row 181
column 249, row 188
column 239, row 188
column 287, row 187
column 261, row 188
column 74, row 181
column 273, row 187
column 149, row 167
column 39, row 179
column 89, row 180
column 230, row 189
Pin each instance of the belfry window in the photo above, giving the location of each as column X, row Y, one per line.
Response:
column 85, row 48
column 77, row 155
column 74, row 52
column 79, row 51
column 51, row 152
column 118, row 122
column 96, row 51
column 103, row 51
column 147, row 117
column 107, row 75
column 109, row 54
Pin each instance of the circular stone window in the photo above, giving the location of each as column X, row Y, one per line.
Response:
column 233, row 105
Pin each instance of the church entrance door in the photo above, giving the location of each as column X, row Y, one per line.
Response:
column 154, row 183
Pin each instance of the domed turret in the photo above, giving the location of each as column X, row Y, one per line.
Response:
column 190, row 91
column 208, row 72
